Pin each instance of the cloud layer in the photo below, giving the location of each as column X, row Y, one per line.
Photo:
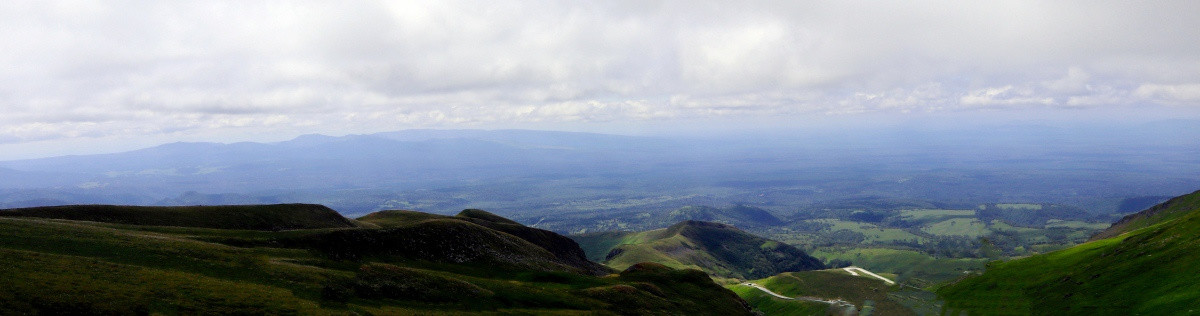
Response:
column 110, row 68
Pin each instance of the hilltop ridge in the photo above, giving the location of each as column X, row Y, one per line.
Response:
column 389, row 263
column 719, row 249
column 546, row 248
column 1171, row 209
column 250, row 217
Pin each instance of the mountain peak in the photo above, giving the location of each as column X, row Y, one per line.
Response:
column 722, row 250
column 695, row 223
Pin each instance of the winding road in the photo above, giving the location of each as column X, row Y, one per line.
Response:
column 801, row 298
column 837, row 302
column 851, row 269
column 766, row 290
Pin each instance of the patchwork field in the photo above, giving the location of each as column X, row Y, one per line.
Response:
column 934, row 215
column 967, row 227
column 872, row 233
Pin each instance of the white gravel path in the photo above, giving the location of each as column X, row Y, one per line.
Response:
column 852, row 268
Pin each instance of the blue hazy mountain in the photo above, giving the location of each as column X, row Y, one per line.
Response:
column 525, row 173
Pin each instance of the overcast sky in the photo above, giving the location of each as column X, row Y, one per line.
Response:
column 82, row 74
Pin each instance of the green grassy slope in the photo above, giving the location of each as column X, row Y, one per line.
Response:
column 252, row 217
column 436, row 240
column 408, row 225
column 1171, row 209
column 911, row 267
column 1147, row 271
column 565, row 250
column 768, row 304
column 486, row 217
column 719, row 249
column 597, row 245
column 55, row 266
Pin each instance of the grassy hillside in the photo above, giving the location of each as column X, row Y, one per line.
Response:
column 869, row 295
column 564, row 249
column 251, row 217
column 719, row 249
column 598, row 245
column 1145, row 271
column 768, row 304
column 412, row 263
column 1169, row 210
column 407, row 234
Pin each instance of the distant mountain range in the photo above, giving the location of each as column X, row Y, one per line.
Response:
column 177, row 173
column 317, row 161
column 511, row 171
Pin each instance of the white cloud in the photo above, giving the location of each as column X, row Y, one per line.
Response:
column 1006, row 95
column 115, row 68
column 1174, row 93
column 1076, row 81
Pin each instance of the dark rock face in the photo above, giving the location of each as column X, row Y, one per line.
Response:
column 614, row 253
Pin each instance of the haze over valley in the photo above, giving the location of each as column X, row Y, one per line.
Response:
column 527, row 173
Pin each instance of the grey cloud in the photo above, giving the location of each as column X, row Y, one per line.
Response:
column 81, row 69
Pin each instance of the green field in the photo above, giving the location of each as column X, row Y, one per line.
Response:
column 990, row 232
column 873, row 234
column 1019, row 206
column 999, row 225
column 968, row 227
column 1076, row 224
column 922, row 215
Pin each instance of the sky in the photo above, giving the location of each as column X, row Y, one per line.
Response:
column 96, row 76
